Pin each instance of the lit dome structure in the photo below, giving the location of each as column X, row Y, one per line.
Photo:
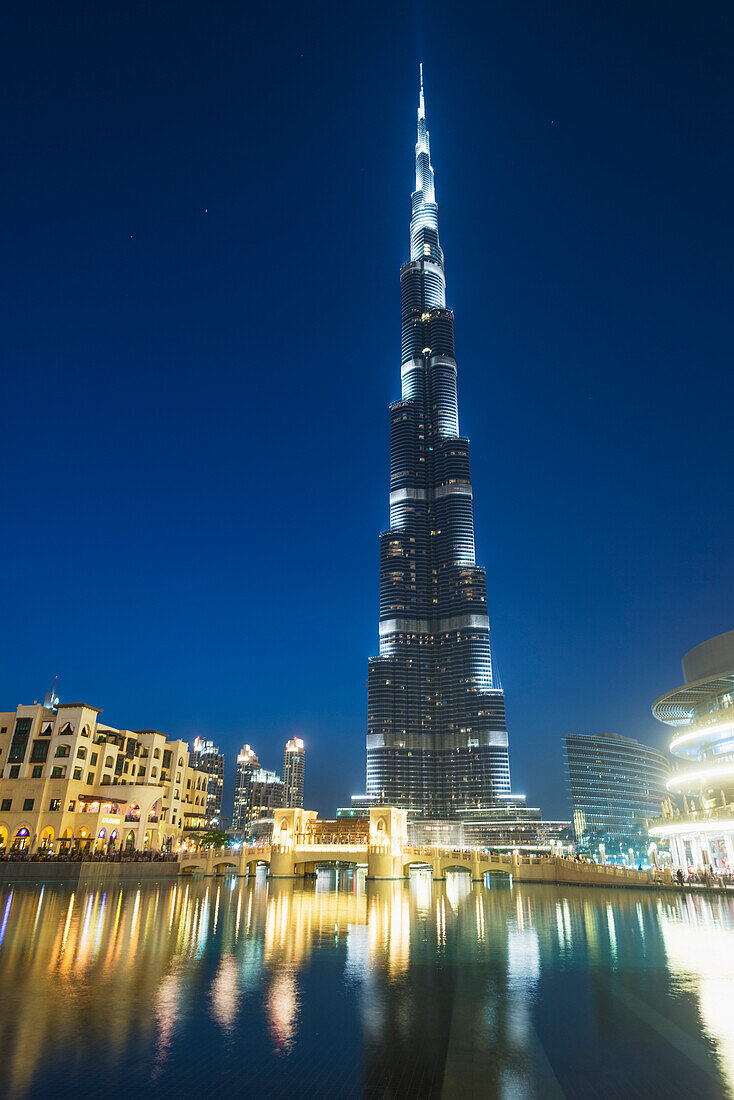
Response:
column 699, row 817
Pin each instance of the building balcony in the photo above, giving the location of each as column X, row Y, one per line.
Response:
column 703, row 731
column 717, row 817
column 713, row 772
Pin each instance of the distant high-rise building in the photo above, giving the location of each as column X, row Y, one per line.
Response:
column 617, row 787
column 247, row 763
column 436, row 728
column 207, row 758
column 267, row 793
column 257, row 791
column 294, row 766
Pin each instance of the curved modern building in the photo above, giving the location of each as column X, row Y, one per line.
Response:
column 436, row 737
column 699, row 823
column 617, row 787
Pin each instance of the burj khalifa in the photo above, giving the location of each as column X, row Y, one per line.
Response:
column 436, row 728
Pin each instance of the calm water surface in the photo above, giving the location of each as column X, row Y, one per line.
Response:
column 341, row 988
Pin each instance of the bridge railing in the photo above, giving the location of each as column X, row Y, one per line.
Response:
column 217, row 853
column 322, row 842
column 439, row 851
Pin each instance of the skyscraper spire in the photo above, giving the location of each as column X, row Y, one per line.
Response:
column 425, row 211
column 436, row 733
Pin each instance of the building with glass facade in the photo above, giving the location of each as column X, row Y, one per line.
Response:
column 266, row 793
column 247, row 763
column 257, row 792
column 500, row 828
column 617, row 787
column 294, row 768
column 698, row 821
column 436, row 731
column 207, row 758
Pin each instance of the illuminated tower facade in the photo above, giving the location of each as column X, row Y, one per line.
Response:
column 207, row 758
column 436, row 732
column 294, row 768
column 247, row 765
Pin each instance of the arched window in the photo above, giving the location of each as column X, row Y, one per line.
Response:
column 157, row 753
column 109, row 763
column 81, row 752
column 62, row 750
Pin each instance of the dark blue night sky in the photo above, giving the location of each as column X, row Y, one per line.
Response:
column 205, row 208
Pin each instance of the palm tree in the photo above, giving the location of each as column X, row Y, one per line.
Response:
column 214, row 838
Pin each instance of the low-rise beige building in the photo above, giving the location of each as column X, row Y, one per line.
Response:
column 70, row 782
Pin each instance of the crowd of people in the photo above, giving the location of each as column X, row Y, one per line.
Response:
column 129, row 855
column 691, row 876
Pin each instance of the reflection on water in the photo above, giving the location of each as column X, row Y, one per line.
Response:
column 365, row 989
column 698, row 942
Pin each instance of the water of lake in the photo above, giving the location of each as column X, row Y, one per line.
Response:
column 346, row 988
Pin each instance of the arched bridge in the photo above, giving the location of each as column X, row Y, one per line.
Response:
column 303, row 859
column 298, row 848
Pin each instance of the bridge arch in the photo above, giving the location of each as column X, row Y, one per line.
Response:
column 311, row 865
column 192, row 865
column 417, row 865
column 225, row 866
column 253, row 864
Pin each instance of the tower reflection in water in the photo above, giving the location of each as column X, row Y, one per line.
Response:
column 424, row 989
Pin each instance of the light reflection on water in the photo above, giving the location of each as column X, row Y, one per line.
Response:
column 365, row 989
